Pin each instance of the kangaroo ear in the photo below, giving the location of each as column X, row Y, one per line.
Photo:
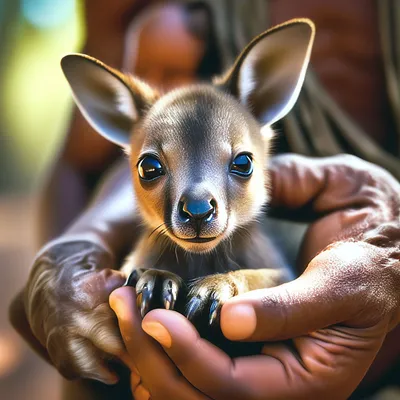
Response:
column 110, row 101
column 269, row 73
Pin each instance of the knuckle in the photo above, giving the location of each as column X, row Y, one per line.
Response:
column 385, row 235
column 360, row 166
column 369, row 174
column 364, row 272
column 349, row 159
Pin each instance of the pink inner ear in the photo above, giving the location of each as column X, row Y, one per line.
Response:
column 102, row 96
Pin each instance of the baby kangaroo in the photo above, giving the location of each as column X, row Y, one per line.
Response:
column 199, row 161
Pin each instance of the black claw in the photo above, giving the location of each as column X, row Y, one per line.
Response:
column 193, row 306
column 145, row 298
column 132, row 278
column 214, row 308
column 168, row 301
column 139, row 300
column 169, row 294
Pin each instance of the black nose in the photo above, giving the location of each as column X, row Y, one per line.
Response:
column 196, row 210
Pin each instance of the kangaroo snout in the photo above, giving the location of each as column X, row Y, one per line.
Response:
column 197, row 211
column 197, row 218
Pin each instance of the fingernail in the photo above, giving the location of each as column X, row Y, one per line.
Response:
column 158, row 332
column 238, row 321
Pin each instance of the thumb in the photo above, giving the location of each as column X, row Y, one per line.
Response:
column 333, row 289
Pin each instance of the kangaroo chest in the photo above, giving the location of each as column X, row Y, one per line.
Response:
column 255, row 251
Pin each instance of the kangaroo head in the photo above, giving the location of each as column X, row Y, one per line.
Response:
column 199, row 154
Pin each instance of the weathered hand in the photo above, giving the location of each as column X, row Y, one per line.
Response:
column 65, row 305
column 338, row 311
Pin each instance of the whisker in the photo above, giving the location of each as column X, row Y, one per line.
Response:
column 155, row 229
column 162, row 232
column 176, row 252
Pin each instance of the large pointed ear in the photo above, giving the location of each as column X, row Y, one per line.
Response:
column 110, row 101
column 268, row 75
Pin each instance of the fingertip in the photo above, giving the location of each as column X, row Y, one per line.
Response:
column 122, row 297
column 158, row 332
column 141, row 393
column 158, row 323
column 167, row 318
column 238, row 321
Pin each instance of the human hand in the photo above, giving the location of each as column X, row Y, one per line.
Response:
column 64, row 314
column 338, row 311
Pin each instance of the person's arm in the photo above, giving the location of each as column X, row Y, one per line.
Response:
column 72, row 178
column 110, row 220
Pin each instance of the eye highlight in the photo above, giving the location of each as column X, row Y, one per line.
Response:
column 242, row 165
column 150, row 168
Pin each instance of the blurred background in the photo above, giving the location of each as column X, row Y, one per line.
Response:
column 34, row 108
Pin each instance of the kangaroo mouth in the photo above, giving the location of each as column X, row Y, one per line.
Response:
column 197, row 244
column 199, row 240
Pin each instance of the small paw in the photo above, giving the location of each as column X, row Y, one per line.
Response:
column 206, row 297
column 204, row 302
column 157, row 289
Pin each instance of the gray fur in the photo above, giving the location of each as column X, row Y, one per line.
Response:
column 195, row 133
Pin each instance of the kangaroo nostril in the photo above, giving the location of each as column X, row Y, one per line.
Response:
column 183, row 215
column 211, row 212
column 213, row 205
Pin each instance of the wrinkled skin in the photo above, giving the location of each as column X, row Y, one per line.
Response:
column 338, row 311
column 66, row 305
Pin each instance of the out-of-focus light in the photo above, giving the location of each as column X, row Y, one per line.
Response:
column 10, row 353
column 47, row 13
column 35, row 97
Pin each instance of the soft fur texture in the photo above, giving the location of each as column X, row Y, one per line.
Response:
column 185, row 262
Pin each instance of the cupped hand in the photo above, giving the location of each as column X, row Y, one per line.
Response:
column 63, row 312
column 338, row 311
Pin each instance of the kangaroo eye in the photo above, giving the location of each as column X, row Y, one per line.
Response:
column 242, row 165
column 150, row 168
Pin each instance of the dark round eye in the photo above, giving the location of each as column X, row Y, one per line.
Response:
column 150, row 168
column 242, row 165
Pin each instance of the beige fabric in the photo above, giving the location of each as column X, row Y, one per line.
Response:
column 318, row 126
